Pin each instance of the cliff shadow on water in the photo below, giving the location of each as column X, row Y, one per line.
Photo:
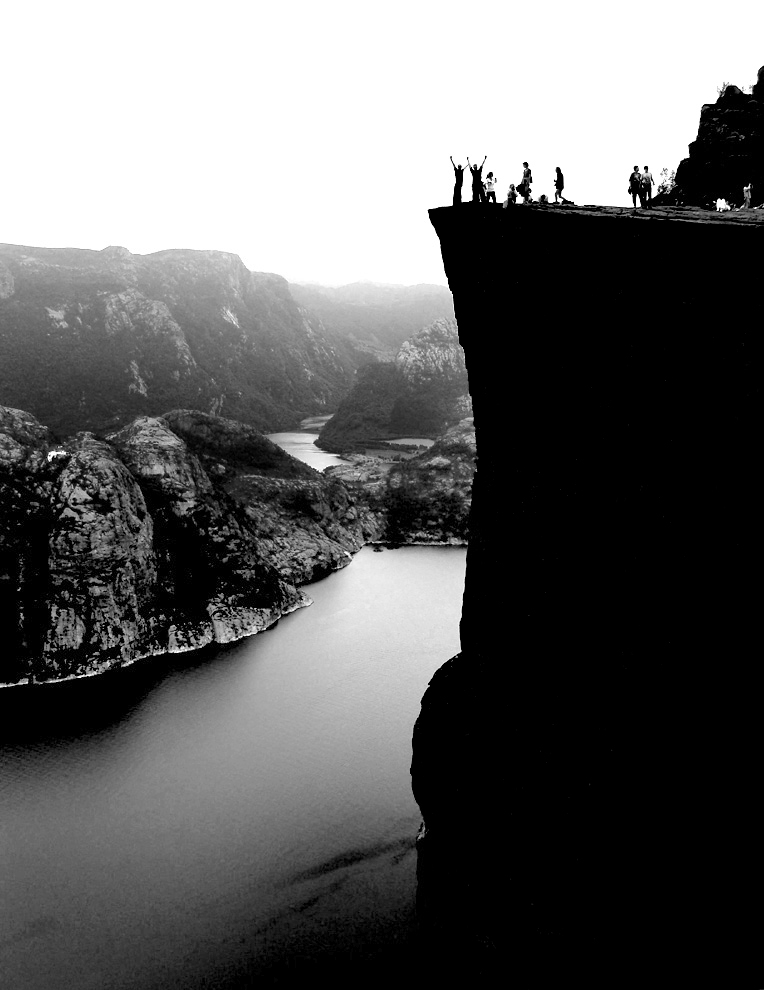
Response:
column 568, row 763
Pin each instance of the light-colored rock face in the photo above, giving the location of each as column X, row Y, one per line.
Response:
column 133, row 314
column 153, row 452
column 101, row 563
column 433, row 352
column 23, row 441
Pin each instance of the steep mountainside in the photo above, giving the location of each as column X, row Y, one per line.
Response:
column 173, row 533
column 422, row 392
column 90, row 339
column 365, row 320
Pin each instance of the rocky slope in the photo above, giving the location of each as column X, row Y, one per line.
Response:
column 728, row 152
column 91, row 339
column 171, row 533
column 421, row 393
column 421, row 499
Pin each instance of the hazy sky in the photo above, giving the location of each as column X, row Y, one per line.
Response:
column 311, row 138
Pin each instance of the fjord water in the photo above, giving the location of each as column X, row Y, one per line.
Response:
column 231, row 815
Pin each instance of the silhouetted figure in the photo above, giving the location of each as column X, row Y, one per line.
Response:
column 458, row 180
column 490, row 188
column 647, row 188
column 511, row 196
column 525, row 185
column 478, row 193
column 747, row 196
column 635, row 186
column 559, row 185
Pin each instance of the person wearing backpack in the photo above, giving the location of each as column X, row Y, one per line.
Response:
column 635, row 186
column 647, row 188
column 525, row 185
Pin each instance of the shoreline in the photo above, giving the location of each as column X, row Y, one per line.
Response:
column 376, row 545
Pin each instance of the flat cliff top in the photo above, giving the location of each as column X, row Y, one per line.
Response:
column 685, row 214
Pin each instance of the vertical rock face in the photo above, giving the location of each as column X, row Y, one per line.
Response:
column 559, row 759
column 102, row 568
column 728, row 152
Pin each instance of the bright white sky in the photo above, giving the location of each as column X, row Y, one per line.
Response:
column 311, row 137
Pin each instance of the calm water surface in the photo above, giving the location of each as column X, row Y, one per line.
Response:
column 196, row 821
column 300, row 445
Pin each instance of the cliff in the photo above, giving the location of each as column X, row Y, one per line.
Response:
column 568, row 761
column 171, row 533
column 728, row 152
column 422, row 392
column 91, row 339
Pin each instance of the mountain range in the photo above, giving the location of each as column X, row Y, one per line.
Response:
column 91, row 339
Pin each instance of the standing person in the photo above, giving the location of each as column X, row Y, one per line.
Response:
column 747, row 196
column 478, row 193
column 647, row 188
column 511, row 196
column 635, row 186
column 526, row 183
column 490, row 188
column 559, row 185
column 458, row 180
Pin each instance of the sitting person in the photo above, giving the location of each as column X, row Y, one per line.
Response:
column 511, row 196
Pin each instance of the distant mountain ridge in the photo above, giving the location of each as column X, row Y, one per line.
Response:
column 91, row 339
column 373, row 319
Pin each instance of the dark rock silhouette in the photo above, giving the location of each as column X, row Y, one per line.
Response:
column 567, row 761
column 728, row 152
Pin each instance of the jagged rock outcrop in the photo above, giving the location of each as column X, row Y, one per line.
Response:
column 421, row 393
column 728, row 152
column 172, row 533
column 567, row 760
column 92, row 339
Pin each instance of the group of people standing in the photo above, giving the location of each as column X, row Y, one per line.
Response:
column 641, row 184
column 485, row 191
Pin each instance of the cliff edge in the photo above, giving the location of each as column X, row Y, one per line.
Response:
column 567, row 762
